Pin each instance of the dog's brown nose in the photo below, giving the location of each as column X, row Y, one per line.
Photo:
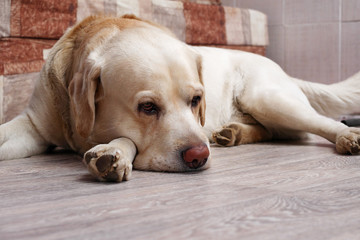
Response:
column 196, row 156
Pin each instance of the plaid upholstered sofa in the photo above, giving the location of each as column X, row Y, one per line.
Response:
column 28, row 29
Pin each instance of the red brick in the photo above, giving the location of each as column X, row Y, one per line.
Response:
column 15, row 22
column 205, row 24
column 42, row 18
column 22, row 55
column 23, row 67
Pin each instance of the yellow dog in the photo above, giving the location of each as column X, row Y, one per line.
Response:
column 127, row 93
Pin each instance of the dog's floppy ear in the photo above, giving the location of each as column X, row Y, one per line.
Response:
column 203, row 102
column 84, row 89
column 73, row 80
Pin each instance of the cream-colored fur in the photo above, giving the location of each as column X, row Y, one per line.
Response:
column 125, row 92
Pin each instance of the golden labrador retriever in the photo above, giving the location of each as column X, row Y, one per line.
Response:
column 126, row 92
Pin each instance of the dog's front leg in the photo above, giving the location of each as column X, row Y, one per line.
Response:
column 20, row 138
column 112, row 161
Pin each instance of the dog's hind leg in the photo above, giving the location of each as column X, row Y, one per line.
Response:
column 19, row 138
column 280, row 109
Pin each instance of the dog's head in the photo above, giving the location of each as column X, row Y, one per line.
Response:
column 130, row 78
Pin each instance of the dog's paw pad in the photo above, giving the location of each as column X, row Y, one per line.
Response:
column 348, row 141
column 88, row 156
column 104, row 163
column 224, row 137
column 107, row 164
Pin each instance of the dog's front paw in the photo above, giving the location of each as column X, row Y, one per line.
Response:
column 348, row 141
column 108, row 163
column 225, row 137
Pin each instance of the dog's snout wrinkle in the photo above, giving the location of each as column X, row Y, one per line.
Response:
column 196, row 156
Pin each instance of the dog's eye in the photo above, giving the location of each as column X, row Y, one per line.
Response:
column 195, row 101
column 148, row 108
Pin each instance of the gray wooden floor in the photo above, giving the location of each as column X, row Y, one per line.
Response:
column 285, row 190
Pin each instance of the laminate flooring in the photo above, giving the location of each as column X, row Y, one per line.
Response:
column 280, row 190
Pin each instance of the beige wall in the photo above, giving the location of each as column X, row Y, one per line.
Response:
column 313, row 40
